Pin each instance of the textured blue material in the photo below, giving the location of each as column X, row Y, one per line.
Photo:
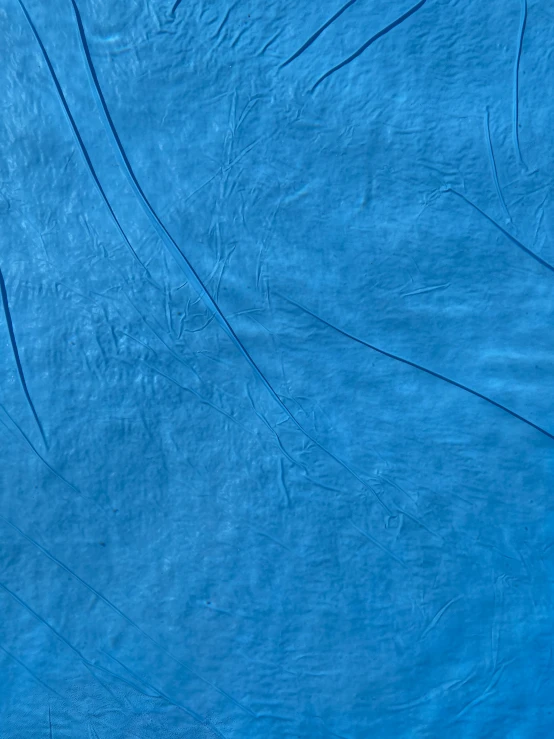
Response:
column 277, row 384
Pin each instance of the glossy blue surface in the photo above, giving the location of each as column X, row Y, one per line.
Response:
column 277, row 387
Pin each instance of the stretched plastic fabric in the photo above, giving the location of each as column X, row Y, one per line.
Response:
column 276, row 369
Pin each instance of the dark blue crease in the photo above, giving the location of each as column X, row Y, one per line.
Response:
column 80, row 143
column 180, row 257
column 318, row 33
column 13, row 342
column 370, row 41
column 420, row 367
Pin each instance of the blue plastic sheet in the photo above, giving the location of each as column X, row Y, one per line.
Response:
column 276, row 395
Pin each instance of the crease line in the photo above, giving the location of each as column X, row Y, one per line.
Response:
column 368, row 43
column 507, row 234
column 492, row 161
column 189, row 711
column 88, row 663
column 80, row 143
column 378, row 544
column 179, row 255
column 40, row 457
column 120, row 613
column 27, row 669
column 421, row 368
column 9, row 322
column 439, row 615
column 522, row 24
column 318, row 33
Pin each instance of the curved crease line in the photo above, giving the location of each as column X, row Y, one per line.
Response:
column 39, row 456
column 80, row 143
column 420, row 367
column 522, row 24
column 5, row 304
column 492, row 161
column 180, row 257
column 368, row 43
column 507, row 234
column 87, row 662
column 318, row 33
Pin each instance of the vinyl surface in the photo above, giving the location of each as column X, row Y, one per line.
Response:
column 277, row 388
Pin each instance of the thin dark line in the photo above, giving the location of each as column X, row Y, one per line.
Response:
column 318, row 33
column 368, row 43
column 5, row 303
column 420, row 367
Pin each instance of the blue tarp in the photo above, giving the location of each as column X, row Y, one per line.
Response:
column 276, row 401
